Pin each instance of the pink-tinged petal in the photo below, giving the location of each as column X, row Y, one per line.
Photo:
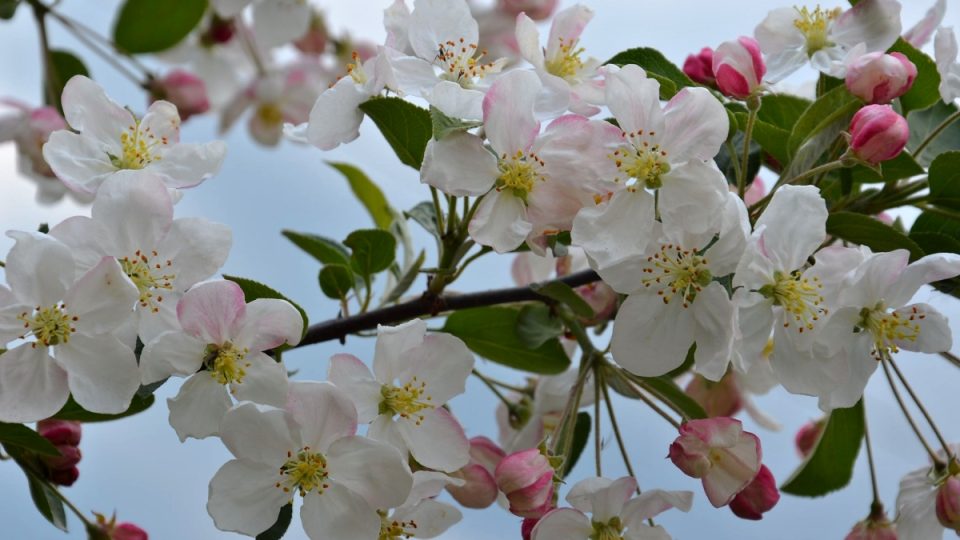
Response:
column 562, row 524
column 101, row 371
column 199, row 407
column 352, row 376
column 323, row 411
column 39, row 268
column 243, row 497
column 185, row 165
column 435, row 22
column 374, row 470
column 459, row 165
column 280, row 21
column 878, row 133
column 438, row 441
column 456, row 101
column 87, row 239
column 500, row 222
column 197, row 248
column 265, row 381
column 396, row 20
column 442, row 362
column 212, row 310
column 919, row 34
column 735, row 469
column 582, row 493
column 32, row 385
column 634, row 100
column 508, row 112
column 929, row 269
column 933, row 334
column 649, row 337
column 609, row 501
column 759, row 497
column 432, row 517
column 479, row 489
column 795, row 226
column 393, row 341
column 171, row 353
column 803, row 372
column 335, row 117
column 875, row 23
column 102, row 299
column 161, row 124
column 528, row 41
column 338, row 514
column 916, row 507
column 696, row 124
column 693, row 196
column 88, row 110
column 137, row 215
column 777, row 32
column 269, row 323
column 875, row 278
column 567, row 26
column 945, row 52
column 651, row 503
column 260, row 433
column 715, row 336
column 79, row 162
column 615, row 230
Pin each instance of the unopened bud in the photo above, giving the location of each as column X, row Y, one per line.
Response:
column 739, row 67
column 948, row 504
column 878, row 133
column 760, row 496
column 699, row 67
column 807, row 437
column 526, row 478
column 184, row 89
column 880, row 78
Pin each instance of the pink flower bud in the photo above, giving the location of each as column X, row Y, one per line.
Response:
column 807, row 436
column 60, row 431
column 183, row 89
column 485, row 452
column 738, row 67
column 879, row 78
column 526, row 528
column 699, row 67
column 63, row 477
column 948, row 504
column 717, row 398
column 720, row 453
column 873, row 528
column 68, row 458
column 537, row 10
column 526, row 478
column 878, row 133
column 314, row 42
column 120, row 531
column 601, row 298
column 219, row 32
column 760, row 496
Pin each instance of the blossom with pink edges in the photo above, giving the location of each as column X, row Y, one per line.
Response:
column 880, row 78
column 479, row 489
column 526, row 478
column 738, row 67
column 186, row 91
column 720, row 453
column 878, row 133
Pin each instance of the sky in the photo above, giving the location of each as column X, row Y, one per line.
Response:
column 137, row 466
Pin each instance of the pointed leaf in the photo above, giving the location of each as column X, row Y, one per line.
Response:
column 870, row 232
column 73, row 411
column 21, row 436
column 323, row 249
column 830, row 466
column 146, row 26
column 278, row 529
column 372, row 250
column 367, row 193
column 405, row 126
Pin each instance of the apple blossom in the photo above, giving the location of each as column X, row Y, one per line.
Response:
column 527, row 479
column 184, row 90
column 63, row 328
column 789, row 36
column 314, row 42
column 113, row 142
column 309, row 447
column 721, row 398
column 948, row 504
column 758, row 498
column 919, row 34
column 65, row 436
column 719, row 452
column 220, row 342
column 738, row 67
column 163, row 257
column 414, row 375
column 879, row 78
column 873, row 528
column 479, row 488
column 421, row 515
column 945, row 52
column 878, row 133
column 699, row 67
column 275, row 22
column 917, row 516
column 614, row 514
column 29, row 128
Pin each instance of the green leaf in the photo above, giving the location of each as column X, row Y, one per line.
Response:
column 147, row 26
column 8, row 8
column 490, row 332
column 278, row 529
column 336, row 280
column 924, row 122
column 830, row 466
column 407, row 279
column 771, row 138
column 729, row 166
column 373, row 251
column 536, row 325
column 63, row 66
column 561, row 292
column 444, row 125
column 581, row 434
column 835, row 107
column 782, row 110
column 670, row 77
column 253, row 290
column 926, row 87
column 902, row 166
column 426, row 215
column 47, row 503
column 944, row 179
column 26, row 438
column 73, row 411
column 405, row 126
column 367, row 193
column 323, row 249
column 867, row 231
column 933, row 242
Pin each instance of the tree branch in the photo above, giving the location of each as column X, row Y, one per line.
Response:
column 431, row 305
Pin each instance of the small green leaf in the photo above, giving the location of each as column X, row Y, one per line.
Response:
column 426, row 215
column 373, row 250
column 279, row 528
column 782, row 110
column 47, row 503
column 405, row 126
column 147, row 26
column 323, row 249
column 490, row 332
column 536, row 325
column 367, row 193
column 870, row 232
column 444, row 125
column 581, row 434
column 254, row 289
column 73, row 411
column 26, row 438
column 336, row 280
column 8, row 8
column 926, row 86
column 63, row 66
column 830, row 466
column 561, row 292
column 407, row 279
column 836, row 107
column 922, row 123
column 944, row 179
column 670, row 77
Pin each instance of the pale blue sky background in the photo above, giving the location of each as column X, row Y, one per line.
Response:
column 139, row 468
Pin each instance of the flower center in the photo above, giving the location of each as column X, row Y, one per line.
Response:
column 610, row 530
column 814, row 25
column 393, row 529
column 138, row 147
column 642, row 160
column 459, row 64
column 355, row 69
column 304, row 471
column 798, row 296
column 888, row 328
column 677, row 271
column 270, row 114
column 520, row 173
column 406, row 400
column 48, row 325
column 145, row 271
column 566, row 62
column 226, row 363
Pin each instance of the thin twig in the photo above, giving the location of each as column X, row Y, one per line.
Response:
column 923, row 410
column 873, row 467
column 906, row 413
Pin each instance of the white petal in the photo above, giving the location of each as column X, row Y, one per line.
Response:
column 650, row 338
column 581, row 494
column 244, row 498
column 438, row 442
column 726, row 252
column 260, row 433
column 385, row 430
column 500, row 222
column 324, row 412
column 32, row 385
column 80, row 162
column 87, row 109
column 102, row 299
column 265, row 381
column 348, row 373
column 795, row 224
column 338, row 514
column 171, row 353
column 459, row 165
column 87, row 239
column 696, row 124
column 508, row 112
column 928, row 269
column 945, row 51
column 755, row 324
column 374, row 470
column 652, row 502
column 692, row 197
column 392, row 341
column 102, row 372
column 269, row 323
column 442, row 362
column 801, row 371
column 562, row 524
column 276, row 22
column 713, row 312
column 161, row 124
column 875, row 23
column 919, row 34
column 433, row 518
column 634, row 100
column 934, row 334
column 151, row 323
column 777, row 32
column 39, row 268
column 615, row 230
column 212, row 311
column 185, row 165
column 916, row 507
column 608, row 502
column 198, row 408
column 528, row 41
column 456, row 101
column 197, row 248
column 435, row 22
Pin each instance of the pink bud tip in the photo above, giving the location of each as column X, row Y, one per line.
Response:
column 537, row 10
column 878, row 133
column 60, row 431
column 760, row 496
column 739, row 67
column 807, row 436
column 526, row 478
column 184, row 89
column 948, row 504
column 699, row 67
column 879, row 78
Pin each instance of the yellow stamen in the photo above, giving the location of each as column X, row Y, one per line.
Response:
column 675, row 271
column 800, row 298
column 814, row 25
column 304, row 472
column 49, row 325
column 641, row 159
column 888, row 328
column 146, row 272
column 407, row 400
column 566, row 64
column 520, row 173
column 226, row 363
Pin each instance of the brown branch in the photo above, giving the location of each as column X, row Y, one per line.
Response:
column 431, row 305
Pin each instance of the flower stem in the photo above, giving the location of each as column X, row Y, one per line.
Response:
column 826, row 167
column 950, row 357
column 490, row 384
column 436, row 208
column 597, row 440
column 936, row 132
column 873, row 467
column 747, row 138
column 637, row 385
column 923, row 410
column 30, row 472
column 615, row 426
column 906, row 413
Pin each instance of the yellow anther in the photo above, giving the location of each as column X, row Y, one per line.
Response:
column 814, row 25
column 226, row 363
column 138, row 147
column 520, row 173
column 676, row 272
column 799, row 297
column 888, row 328
column 460, row 63
column 48, row 325
column 391, row 529
column 146, row 271
column 304, row 472
column 566, row 64
column 642, row 160
column 407, row 400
